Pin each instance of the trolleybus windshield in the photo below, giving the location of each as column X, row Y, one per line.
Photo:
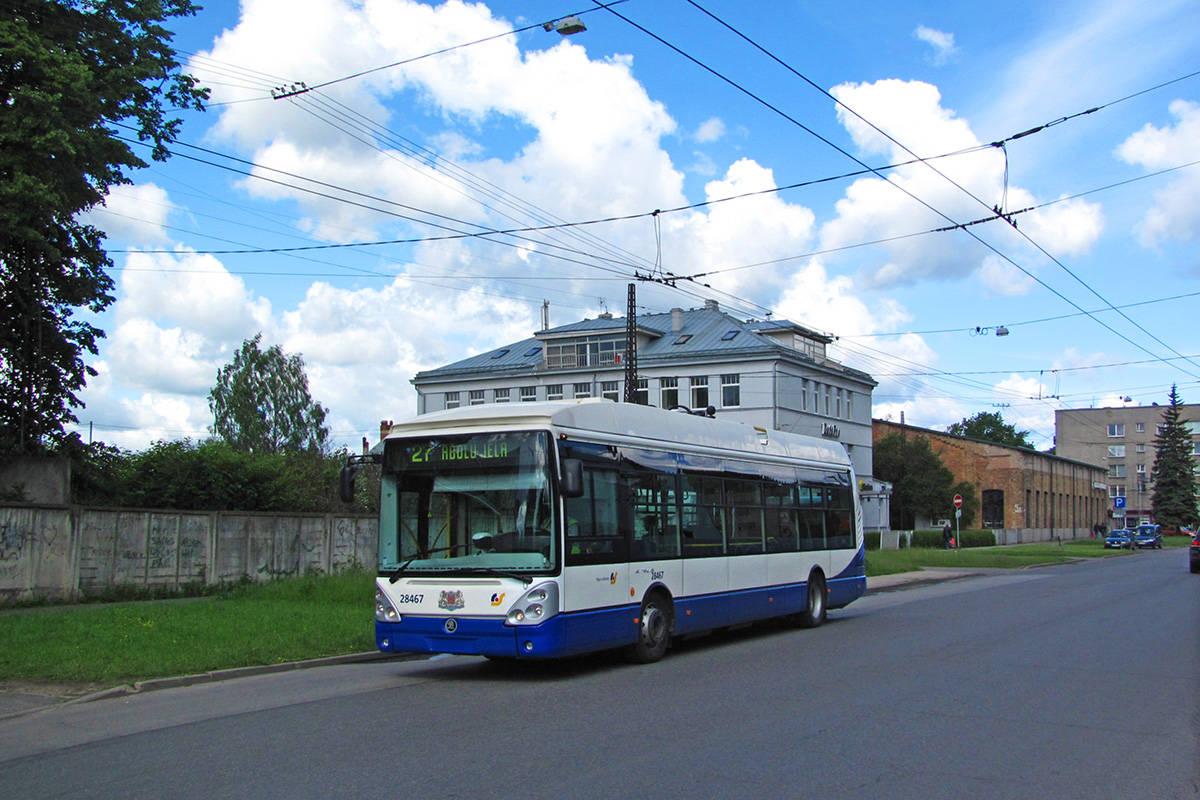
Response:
column 465, row 504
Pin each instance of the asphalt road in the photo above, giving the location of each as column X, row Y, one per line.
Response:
column 1073, row 681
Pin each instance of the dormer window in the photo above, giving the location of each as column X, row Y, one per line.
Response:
column 502, row 353
column 683, row 339
column 585, row 351
column 729, row 336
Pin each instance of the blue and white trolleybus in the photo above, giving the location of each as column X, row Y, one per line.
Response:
column 540, row 530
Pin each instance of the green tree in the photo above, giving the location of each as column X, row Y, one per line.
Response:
column 990, row 427
column 921, row 484
column 1174, row 496
column 79, row 80
column 261, row 403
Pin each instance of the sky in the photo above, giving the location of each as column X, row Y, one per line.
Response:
column 389, row 186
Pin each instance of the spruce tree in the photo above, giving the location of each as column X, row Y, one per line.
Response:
column 1174, row 497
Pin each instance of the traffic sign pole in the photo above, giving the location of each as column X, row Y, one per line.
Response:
column 957, row 521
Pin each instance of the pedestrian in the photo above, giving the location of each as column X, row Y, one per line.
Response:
column 947, row 536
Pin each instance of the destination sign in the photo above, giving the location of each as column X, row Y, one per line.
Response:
column 459, row 452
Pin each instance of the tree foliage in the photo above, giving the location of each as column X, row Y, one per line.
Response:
column 261, row 403
column 1174, row 498
column 921, row 484
column 990, row 426
column 78, row 78
column 213, row 476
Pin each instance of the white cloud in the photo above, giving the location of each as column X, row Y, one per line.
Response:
column 750, row 230
column 909, row 200
column 1176, row 212
column 169, row 360
column 193, row 291
column 941, row 42
column 132, row 213
column 710, row 130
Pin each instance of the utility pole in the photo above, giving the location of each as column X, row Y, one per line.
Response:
column 631, row 371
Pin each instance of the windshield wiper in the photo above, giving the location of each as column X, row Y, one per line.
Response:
column 395, row 576
column 525, row 579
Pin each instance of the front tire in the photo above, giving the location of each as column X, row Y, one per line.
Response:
column 814, row 607
column 654, row 630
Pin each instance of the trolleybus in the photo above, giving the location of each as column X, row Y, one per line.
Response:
column 541, row 530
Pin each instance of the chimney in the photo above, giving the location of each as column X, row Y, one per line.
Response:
column 712, row 305
column 385, row 427
column 676, row 320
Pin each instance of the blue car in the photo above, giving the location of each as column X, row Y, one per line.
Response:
column 1148, row 536
column 1119, row 540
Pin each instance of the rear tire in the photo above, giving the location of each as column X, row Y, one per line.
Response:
column 654, row 630
column 814, row 607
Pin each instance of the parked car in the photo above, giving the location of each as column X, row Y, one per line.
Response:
column 1195, row 552
column 1119, row 539
column 1148, row 536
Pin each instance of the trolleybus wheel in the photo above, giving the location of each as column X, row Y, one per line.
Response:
column 814, row 609
column 654, row 630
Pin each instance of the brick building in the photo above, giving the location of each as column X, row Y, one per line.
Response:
column 1030, row 496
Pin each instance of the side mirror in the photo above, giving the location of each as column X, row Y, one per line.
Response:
column 350, row 470
column 346, row 481
column 571, row 484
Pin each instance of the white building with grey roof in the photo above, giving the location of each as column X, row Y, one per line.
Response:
column 771, row 373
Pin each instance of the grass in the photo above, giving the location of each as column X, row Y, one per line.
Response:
column 250, row 625
column 295, row 619
column 891, row 562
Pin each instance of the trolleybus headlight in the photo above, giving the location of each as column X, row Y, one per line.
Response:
column 384, row 610
column 535, row 605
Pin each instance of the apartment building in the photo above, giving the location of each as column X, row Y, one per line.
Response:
column 1121, row 440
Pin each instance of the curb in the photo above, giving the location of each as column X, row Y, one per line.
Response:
column 155, row 684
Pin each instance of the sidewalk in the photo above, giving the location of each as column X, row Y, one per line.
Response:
column 18, row 698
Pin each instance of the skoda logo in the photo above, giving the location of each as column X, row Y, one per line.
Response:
column 451, row 625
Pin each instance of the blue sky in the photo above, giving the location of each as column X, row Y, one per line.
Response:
column 722, row 116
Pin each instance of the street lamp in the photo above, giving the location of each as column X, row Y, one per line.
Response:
column 565, row 26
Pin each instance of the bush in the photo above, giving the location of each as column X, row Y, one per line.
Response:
column 214, row 476
column 933, row 539
column 872, row 540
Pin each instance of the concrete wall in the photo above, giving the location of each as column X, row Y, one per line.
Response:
column 45, row 481
column 60, row 553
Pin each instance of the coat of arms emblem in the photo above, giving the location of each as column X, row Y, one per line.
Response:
column 451, row 601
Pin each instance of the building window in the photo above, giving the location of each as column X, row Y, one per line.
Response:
column 641, row 392
column 1141, row 468
column 554, row 391
column 699, row 391
column 502, row 395
column 528, row 394
column 1140, row 427
column 668, row 392
column 1141, row 448
column 828, row 395
column 804, row 394
column 582, row 390
column 1116, row 491
column 731, row 391
column 477, row 397
column 611, row 390
column 1116, row 431
column 839, row 404
column 589, row 351
column 849, row 404
column 1116, row 471
column 1116, row 451
column 452, row 400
